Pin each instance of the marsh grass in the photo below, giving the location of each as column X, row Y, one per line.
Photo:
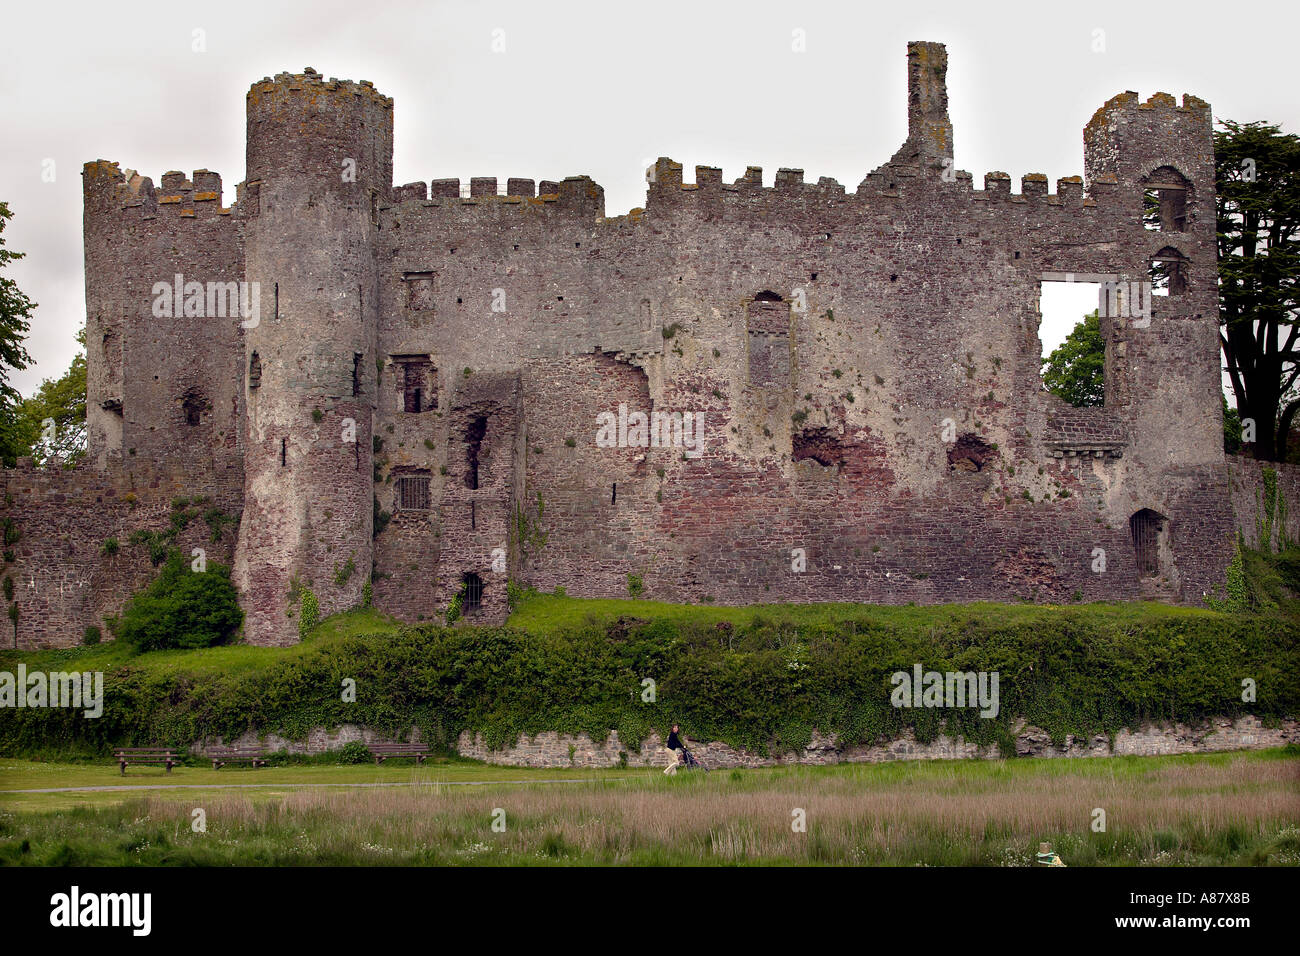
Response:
column 1238, row 809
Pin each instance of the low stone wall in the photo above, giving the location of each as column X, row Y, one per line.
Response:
column 561, row 750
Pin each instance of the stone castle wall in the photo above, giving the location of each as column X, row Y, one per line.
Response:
column 66, row 576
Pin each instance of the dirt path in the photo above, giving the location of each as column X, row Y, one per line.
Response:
column 244, row 786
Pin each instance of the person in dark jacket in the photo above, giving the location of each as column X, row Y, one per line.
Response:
column 674, row 747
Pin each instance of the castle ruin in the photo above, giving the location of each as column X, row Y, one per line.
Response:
column 738, row 394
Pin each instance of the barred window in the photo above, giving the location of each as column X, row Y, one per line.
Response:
column 413, row 493
column 473, row 585
column 1148, row 528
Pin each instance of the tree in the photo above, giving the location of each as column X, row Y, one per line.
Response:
column 1231, row 429
column 1075, row 371
column 51, row 424
column 15, row 322
column 1257, row 169
column 181, row 609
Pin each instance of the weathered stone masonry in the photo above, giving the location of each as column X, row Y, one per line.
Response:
column 866, row 365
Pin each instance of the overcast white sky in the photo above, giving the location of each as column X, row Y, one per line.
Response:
column 591, row 88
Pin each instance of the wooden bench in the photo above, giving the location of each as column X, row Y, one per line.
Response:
column 382, row 752
column 157, row 756
column 253, row 755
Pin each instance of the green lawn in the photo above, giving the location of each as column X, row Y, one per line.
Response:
column 26, row 775
column 232, row 659
column 549, row 613
column 1214, row 809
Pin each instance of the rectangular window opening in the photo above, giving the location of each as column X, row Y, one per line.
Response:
column 1070, row 336
column 413, row 492
column 1164, row 208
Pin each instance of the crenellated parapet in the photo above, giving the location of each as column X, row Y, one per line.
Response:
column 132, row 197
column 1127, row 138
column 575, row 197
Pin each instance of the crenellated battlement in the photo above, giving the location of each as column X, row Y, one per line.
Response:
column 577, row 196
column 1157, row 102
column 309, row 83
column 110, row 189
column 889, row 183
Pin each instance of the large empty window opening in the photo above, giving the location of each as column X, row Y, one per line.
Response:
column 474, row 433
column 419, row 383
column 1069, row 332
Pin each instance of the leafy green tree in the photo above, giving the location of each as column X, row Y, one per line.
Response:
column 15, row 322
column 1257, row 169
column 1075, row 371
column 60, row 403
column 1231, row 429
column 181, row 608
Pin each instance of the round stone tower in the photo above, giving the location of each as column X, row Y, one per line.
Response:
column 319, row 162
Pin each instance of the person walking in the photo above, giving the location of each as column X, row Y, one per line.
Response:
column 674, row 748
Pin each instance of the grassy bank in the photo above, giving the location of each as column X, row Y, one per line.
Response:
column 762, row 677
column 1221, row 809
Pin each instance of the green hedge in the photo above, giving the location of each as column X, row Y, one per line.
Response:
column 763, row 684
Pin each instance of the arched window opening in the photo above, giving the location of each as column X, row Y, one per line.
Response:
column 1168, row 270
column 1150, row 532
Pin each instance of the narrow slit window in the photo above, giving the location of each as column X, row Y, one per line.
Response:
column 473, row 447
